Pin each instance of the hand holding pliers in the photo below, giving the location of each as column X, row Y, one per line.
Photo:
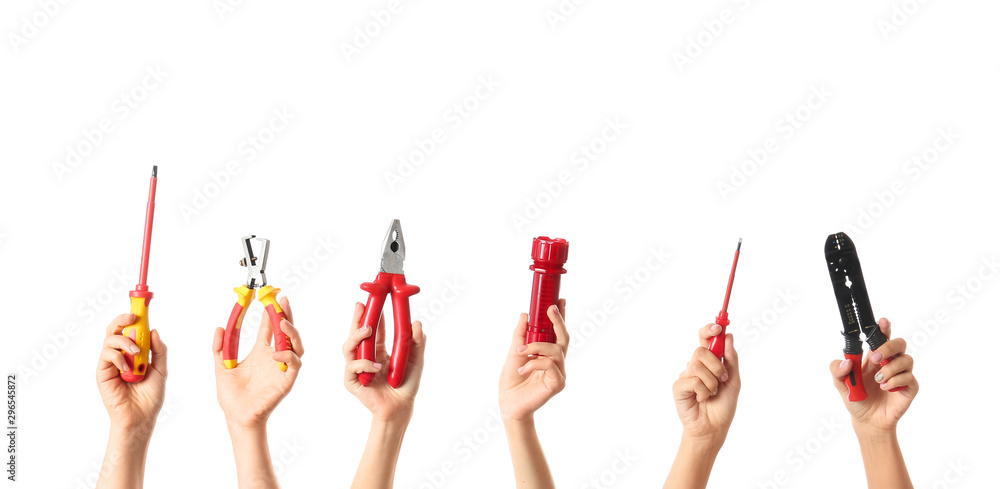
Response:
column 256, row 279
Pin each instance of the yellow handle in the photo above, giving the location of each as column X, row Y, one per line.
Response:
column 139, row 333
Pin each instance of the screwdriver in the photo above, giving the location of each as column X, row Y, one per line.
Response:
column 718, row 343
column 138, row 331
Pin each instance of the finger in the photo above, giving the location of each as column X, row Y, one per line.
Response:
column 353, row 341
column 707, row 332
column 839, row 370
column 896, row 366
column 159, row 349
column 119, row 323
column 562, row 307
column 357, row 367
column 293, row 336
column 551, row 350
column 380, row 334
column 293, row 361
column 559, row 326
column 705, row 357
column 122, row 343
column 537, row 364
column 220, row 334
column 686, row 387
column 285, row 306
column 700, row 370
column 886, row 326
column 418, row 342
column 265, row 332
column 359, row 311
column 888, row 350
column 905, row 379
column 520, row 333
column 732, row 361
column 113, row 358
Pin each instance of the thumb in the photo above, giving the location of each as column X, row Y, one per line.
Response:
column 264, row 333
column 886, row 326
column 839, row 370
column 159, row 349
column 732, row 360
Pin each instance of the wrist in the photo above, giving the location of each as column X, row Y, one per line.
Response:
column 703, row 445
column 131, row 435
column 874, row 434
column 390, row 425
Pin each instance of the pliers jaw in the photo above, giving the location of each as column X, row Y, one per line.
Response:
column 255, row 263
column 394, row 249
column 851, row 292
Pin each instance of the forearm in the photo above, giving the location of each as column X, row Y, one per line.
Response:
column 254, row 469
column 377, row 468
column 693, row 464
column 125, row 458
column 884, row 465
column 531, row 471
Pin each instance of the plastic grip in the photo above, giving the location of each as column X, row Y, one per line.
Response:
column 855, row 384
column 269, row 297
column 377, row 291
column 231, row 339
column 544, row 293
column 138, row 332
column 718, row 342
column 403, row 332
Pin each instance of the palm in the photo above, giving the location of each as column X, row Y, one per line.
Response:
column 131, row 403
column 523, row 395
column 254, row 388
column 882, row 409
column 708, row 417
column 379, row 397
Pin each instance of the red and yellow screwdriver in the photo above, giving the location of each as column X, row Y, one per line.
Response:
column 138, row 331
column 718, row 343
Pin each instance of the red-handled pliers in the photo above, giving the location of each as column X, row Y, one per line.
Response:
column 256, row 279
column 390, row 279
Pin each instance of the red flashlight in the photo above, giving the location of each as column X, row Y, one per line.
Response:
column 549, row 255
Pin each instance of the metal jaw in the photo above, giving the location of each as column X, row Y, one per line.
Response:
column 394, row 249
column 255, row 263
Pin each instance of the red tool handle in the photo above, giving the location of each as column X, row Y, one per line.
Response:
column 377, row 291
column 718, row 342
column 401, row 292
column 231, row 339
column 269, row 297
column 855, row 384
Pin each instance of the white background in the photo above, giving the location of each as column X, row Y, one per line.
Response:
column 64, row 234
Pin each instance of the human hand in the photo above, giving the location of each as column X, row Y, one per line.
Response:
column 535, row 372
column 131, row 406
column 706, row 392
column 249, row 392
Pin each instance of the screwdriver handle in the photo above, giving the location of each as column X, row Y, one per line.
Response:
column 231, row 339
column 269, row 297
column 138, row 332
column 718, row 342
column 855, row 384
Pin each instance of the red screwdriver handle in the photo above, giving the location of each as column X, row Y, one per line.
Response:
column 718, row 342
column 855, row 384
column 377, row 291
column 403, row 333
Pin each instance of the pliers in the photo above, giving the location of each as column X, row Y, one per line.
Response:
column 389, row 279
column 855, row 309
column 256, row 279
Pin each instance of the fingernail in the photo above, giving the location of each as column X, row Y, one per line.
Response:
column 377, row 365
column 522, row 348
column 716, row 391
column 716, row 328
column 725, row 377
column 877, row 357
column 133, row 348
column 845, row 364
column 520, row 370
column 878, row 376
column 363, row 329
column 884, row 385
column 285, row 321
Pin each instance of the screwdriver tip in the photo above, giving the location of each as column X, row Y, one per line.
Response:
column 154, row 171
column 740, row 243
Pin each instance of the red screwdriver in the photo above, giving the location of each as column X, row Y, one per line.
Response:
column 718, row 344
column 138, row 331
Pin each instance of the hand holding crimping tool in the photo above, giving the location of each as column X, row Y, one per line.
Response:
column 548, row 255
column 138, row 331
column 855, row 310
column 389, row 279
column 256, row 279
column 718, row 343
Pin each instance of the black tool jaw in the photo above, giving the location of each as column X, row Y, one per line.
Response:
column 851, row 293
